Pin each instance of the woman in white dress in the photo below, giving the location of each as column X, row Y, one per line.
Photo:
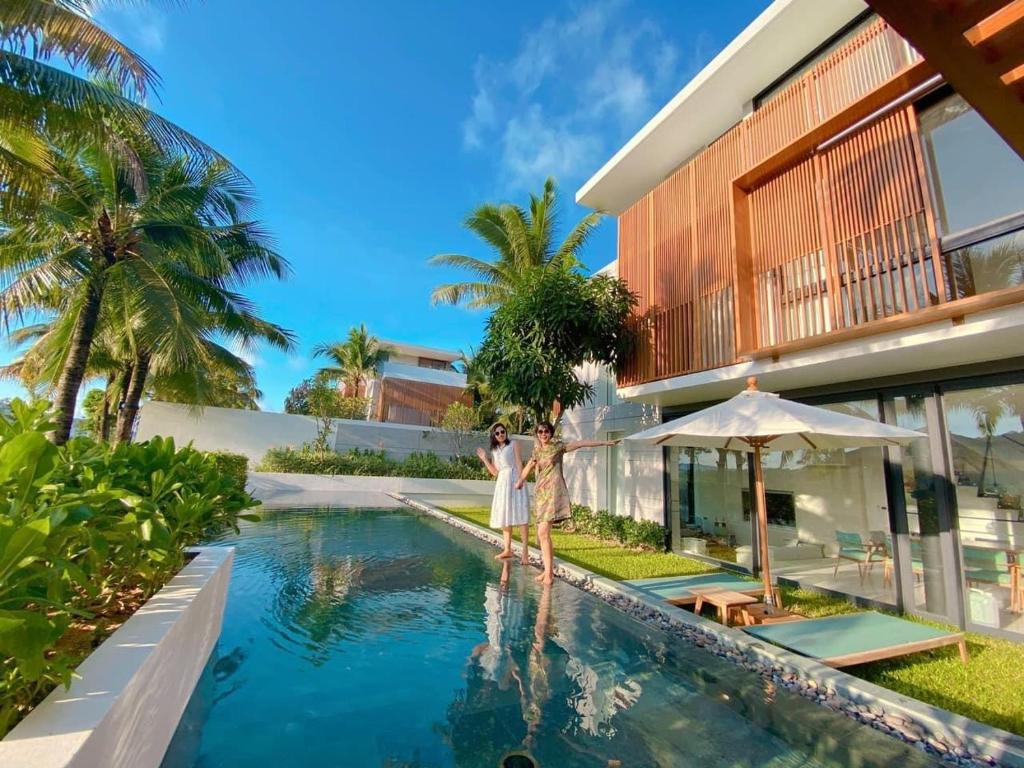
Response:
column 511, row 505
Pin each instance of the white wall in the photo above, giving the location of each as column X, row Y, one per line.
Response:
column 125, row 703
column 252, row 433
column 640, row 480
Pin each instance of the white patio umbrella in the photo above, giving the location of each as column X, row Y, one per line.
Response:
column 754, row 421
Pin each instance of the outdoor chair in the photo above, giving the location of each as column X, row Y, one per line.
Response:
column 853, row 548
column 993, row 567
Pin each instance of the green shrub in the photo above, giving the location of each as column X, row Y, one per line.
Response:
column 233, row 465
column 638, row 534
column 370, row 464
column 83, row 525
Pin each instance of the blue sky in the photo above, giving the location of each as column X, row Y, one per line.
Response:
column 371, row 129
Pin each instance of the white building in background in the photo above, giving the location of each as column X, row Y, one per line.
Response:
column 415, row 385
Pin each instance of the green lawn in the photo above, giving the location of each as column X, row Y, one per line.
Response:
column 988, row 688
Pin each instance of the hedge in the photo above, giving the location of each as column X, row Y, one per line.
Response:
column 233, row 465
column 305, row 460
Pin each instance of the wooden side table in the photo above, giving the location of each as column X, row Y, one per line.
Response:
column 724, row 600
column 759, row 613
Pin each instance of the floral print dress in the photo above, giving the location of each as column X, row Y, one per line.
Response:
column 551, row 496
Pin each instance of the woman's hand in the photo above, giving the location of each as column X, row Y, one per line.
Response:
column 519, row 484
column 481, row 454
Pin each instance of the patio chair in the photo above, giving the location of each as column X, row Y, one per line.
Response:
column 856, row 638
column 853, row 548
column 993, row 567
column 916, row 564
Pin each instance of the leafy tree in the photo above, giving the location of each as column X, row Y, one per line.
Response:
column 297, row 400
column 93, row 406
column 354, row 360
column 556, row 321
column 521, row 240
column 151, row 251
column 462, row 423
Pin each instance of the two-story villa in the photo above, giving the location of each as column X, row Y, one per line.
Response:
column 819, row 208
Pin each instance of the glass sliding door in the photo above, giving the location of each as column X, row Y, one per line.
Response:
column 986, row 435
column 926, row 560
column 828, row 515
column 707, row 491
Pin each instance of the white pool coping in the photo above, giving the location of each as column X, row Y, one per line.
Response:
column 124, row 706
column 1005, row 747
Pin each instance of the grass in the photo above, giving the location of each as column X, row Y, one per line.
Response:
column 988, row 688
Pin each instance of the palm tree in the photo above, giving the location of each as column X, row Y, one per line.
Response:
column 170, row 238
column 354, row 360
column 34, row 94
column 521, row 241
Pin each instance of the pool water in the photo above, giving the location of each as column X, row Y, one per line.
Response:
column 357, row 637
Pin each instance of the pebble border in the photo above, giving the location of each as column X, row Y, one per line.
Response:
column 947, row 748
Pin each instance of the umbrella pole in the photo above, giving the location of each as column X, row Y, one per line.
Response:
column 760, row 501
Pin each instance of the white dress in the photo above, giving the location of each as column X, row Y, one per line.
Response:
column 510, row 506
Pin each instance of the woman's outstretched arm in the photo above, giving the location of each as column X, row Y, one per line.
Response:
column 518, row 457
column 482, row 455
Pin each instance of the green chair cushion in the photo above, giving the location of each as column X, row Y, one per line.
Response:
column 854, row 554
column 1003, row 578
column 834, row 636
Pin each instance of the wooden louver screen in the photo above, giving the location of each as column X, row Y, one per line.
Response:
column 837, row 239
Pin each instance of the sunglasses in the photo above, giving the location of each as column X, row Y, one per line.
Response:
column 543, row 431
column 499, row 432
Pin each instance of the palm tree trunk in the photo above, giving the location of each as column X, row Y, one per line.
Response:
column 132, row 398
column 71, row 376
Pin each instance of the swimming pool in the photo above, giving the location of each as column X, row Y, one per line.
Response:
column 357, row 637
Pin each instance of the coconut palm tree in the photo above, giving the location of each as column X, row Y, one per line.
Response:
column 521, row 241
column 354, row 360
column 35, row 94
column 170, row 238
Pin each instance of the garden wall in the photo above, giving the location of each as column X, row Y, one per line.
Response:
column 294, row 490
column 252, row 433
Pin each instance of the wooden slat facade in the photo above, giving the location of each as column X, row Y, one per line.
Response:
column 417, row 402
column 729, row 260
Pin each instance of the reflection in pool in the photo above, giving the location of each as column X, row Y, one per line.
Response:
column 386, row 638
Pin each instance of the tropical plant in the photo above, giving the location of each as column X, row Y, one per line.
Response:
column 157, row 249
column 93, row 407
column 522, row 241
column 354, row 360
column 555, row 322
column 83, row 528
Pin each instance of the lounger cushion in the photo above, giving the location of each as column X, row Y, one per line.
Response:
column 833, row 637
column 678, row 587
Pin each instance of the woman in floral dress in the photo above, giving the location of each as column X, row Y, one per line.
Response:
column 551, row 496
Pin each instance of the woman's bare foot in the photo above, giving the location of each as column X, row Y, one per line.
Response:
column 544, row 578
column 504, row 555
column 524, row 560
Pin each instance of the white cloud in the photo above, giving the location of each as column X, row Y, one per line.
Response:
column 296, row 362
column 143, row 27
column 576, row 87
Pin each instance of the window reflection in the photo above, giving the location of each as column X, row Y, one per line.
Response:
column 986, row 266
column 974, row 174
column 986, row 427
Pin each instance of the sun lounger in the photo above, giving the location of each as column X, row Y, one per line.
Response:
column 856, row 638
column 677, row 590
